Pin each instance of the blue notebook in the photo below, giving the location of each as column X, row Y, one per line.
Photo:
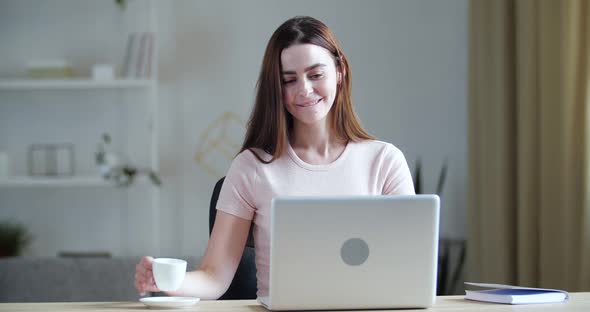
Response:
column 509, row 294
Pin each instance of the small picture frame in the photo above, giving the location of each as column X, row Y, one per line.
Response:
column 51, row 159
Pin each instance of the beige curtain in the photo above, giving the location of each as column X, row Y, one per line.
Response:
column 528, row 207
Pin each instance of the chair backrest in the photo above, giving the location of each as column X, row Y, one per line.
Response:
column 244, row 284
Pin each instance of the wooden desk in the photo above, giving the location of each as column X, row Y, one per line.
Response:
column 578, row 302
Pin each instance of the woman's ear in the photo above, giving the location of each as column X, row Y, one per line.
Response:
column 340, row 68
column 340, row 73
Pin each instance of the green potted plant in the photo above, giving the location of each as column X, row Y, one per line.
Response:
column 121, row 3
column 14, row 238
column 445, row 271
column 418, row 177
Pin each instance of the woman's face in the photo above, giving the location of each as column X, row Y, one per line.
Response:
column 310, row 82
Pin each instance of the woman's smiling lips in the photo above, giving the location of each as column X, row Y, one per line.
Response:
column 308, row 103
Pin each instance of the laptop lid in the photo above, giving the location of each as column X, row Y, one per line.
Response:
column 358, row 252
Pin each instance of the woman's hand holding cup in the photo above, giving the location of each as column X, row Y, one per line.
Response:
column 144, row 276
column 161, row 274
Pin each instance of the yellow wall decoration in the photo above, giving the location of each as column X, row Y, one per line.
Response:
column 219, row 143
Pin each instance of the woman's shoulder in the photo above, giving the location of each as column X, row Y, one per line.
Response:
column 251, row 157
column 377, row 146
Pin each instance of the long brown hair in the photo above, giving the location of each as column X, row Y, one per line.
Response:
column 270, row 124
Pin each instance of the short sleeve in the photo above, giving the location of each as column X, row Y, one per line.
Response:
column 397, row 176
column 237, row 193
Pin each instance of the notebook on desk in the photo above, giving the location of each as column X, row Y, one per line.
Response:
column 362, row 252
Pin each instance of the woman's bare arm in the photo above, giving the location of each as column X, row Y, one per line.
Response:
column 218, row 266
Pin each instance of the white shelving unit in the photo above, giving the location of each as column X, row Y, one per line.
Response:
column 139, row 213
column 25, row 85
column 73, row 84
column 80, row 181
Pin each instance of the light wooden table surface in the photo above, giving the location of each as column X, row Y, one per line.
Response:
column 578, row 302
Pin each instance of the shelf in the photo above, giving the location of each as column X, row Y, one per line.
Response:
column 74, row 83
column 26, row 181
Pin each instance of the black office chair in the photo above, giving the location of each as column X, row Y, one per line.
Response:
column 244, row 284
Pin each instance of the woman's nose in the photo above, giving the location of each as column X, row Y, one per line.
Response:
column 305, row 88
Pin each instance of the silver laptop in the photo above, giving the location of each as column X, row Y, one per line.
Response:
column 360, row 252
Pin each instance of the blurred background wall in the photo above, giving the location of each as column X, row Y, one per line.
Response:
column 409, row 69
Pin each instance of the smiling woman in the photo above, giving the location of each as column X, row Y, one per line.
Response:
column 310, row 81
column 303, row 64
column 303, row 139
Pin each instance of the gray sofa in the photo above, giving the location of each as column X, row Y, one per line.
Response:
column 69, row 279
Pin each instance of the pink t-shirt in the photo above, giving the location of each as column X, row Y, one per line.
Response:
column 369, row 167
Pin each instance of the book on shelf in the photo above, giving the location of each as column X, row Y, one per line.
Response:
column 128, row 69
column 139, row 55
column 509, row 294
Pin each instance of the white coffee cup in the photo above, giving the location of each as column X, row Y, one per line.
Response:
column 169, row 273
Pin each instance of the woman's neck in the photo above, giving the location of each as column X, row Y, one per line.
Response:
column 316, row 143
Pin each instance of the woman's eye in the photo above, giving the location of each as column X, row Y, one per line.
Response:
column 288, row 81
column 317, row 76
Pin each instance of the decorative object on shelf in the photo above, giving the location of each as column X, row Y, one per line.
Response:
column 4, row 164
column 49, row 69
column 14, row 238
column 103, row 72
column 112, row 168
column 51, row 159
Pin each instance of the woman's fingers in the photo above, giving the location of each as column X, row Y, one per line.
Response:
column 144, row 279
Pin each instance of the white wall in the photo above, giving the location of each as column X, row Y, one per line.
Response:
column 409, row 69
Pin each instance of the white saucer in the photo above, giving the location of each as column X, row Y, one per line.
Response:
column 169, row 302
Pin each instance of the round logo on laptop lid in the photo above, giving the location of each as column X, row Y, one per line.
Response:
column 354, row 251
